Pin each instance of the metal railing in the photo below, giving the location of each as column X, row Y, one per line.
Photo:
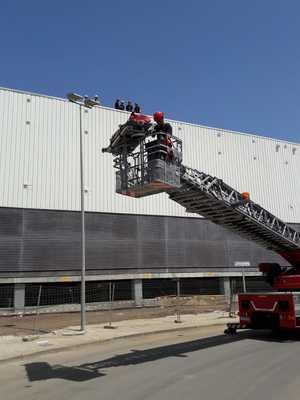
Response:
column 50, row 307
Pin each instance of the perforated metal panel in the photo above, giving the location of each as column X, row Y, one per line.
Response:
column 43, row 242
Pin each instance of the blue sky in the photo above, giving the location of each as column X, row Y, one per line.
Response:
column 231, row 64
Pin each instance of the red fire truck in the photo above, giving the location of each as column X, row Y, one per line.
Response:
column 144, row 167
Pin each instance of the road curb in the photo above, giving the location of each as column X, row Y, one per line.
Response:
column 73, row 346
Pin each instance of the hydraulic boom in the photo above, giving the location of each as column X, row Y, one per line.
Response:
column 146, row 165
column 148, row 162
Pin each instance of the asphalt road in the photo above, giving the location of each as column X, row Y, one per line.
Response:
column 179, row 365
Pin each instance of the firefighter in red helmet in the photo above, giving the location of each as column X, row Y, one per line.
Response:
column 164, row 132
column 161, row 125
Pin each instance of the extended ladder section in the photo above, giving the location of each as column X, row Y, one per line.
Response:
column 149, row 162
column 210, row 197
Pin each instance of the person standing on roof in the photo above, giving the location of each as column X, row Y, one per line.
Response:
column 122, row 105
column 161, row 125
column 137, row 108
column 117, row 104
column 129, row 106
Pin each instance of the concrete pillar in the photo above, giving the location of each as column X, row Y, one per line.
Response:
column 228, row 293
column 19, row 296
column 226, row 287
column 137, row 292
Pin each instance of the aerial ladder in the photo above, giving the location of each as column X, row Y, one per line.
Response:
column 149, row 162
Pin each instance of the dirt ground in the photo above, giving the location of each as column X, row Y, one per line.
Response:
column 44, row 323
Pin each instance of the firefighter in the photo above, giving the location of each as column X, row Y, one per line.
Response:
column 164, row 132
column 161, row 125
column 129, row 106
column 137, row 108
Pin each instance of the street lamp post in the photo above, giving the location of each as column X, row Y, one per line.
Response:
column 87, row 102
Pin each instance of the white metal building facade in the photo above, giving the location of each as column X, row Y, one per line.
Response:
column 39, row 160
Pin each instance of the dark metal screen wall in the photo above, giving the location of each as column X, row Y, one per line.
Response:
column 41, row 242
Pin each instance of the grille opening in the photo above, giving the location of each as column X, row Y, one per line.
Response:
column 245, row 304
column 265, row 320
column 283, row 305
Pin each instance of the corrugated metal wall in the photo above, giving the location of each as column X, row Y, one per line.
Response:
column 47, row 243
column 39, row 160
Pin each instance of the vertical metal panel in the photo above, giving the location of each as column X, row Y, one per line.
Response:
column 11, row 239
column 38, row 157
column 39, row 160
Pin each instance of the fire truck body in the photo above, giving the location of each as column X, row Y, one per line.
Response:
column 271, row 310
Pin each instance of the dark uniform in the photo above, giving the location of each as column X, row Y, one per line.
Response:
column 117, row 104
column 165, row 127
column 137, row 108
column 164, row 132
column 129, row 107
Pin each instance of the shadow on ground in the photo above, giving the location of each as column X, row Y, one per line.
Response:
column 37, row 371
